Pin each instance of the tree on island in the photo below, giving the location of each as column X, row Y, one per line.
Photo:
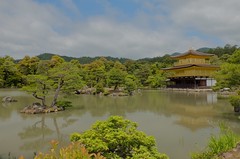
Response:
column 38, row 86
column 63, row 77
column 66, row 78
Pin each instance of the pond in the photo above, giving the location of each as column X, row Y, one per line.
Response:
column 181, row 122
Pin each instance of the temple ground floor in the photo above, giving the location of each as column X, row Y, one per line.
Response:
column 191, row 82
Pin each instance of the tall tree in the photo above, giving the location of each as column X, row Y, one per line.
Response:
column 130, row 84
column 235, row 57
column 116, row 77
column 157, row 80
column 66, row 77
column 9, row 74
column 39, row 86
column 142, row 73
column 62, row 78
column 229, row 73
column 28, row 65
column 95, row 72
column 228, row 76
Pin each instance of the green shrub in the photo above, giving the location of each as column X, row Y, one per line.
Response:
column 226, row 141
column 235, row 101
column 106, row 92
column 130, row 84
column 99, row 88
column 64, row 103
column 118, row 138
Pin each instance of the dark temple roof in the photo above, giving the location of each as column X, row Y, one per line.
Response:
column 193, row 52
column 190, row 65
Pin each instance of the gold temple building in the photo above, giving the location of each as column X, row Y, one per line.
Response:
column 192, row 70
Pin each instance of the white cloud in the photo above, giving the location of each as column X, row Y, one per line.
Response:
column 218, row 18
column 31, row 28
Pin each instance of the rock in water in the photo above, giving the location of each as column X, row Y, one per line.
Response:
column 8, row 99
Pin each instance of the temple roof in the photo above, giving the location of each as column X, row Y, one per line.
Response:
column 192, row 52
column 190, row 65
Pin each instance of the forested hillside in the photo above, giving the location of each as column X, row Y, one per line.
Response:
column 100, row 72
column 82, row 60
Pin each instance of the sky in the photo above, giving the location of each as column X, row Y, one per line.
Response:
column 119, row 28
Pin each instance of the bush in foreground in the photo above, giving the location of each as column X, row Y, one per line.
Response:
column 118, row 138
column 73, row 151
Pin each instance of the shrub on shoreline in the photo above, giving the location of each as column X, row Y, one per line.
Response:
column 226, row 141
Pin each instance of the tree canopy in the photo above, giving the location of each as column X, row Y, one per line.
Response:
column 229, row 73
column 102, row 72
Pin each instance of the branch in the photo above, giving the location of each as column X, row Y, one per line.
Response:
column 34, row 95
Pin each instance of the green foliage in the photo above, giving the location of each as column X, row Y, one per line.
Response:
column 28, row 65
column 9, row 74
column 65, row 78
column 235, row 57
column 39, row 86
column 229, row 73
column 142, row 73
column 166, row 60
column 130, row 84
column 118, row 138
column 228, row 76
column 99, row 87
column 157, row 80
column 235, row 101
column 116, row 77
column 56, row 60
column 43, row 67
column 111, row 71
column 220, row 51
column 63, row 103
column 95, row 72
column 218, row 144
column 73, row 151
column 82, row 60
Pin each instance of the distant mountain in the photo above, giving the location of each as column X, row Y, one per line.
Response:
column 45, row 56
column 204, row 49
column 175, row 53
column 86, row 60
column 82, row 60
column 165, row 58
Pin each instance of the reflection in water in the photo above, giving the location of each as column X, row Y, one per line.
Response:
column 36, row 133
column 37, row 136
column 178, row 120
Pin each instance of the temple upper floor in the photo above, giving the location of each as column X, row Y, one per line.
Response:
column 192, row 57
column 186, row 61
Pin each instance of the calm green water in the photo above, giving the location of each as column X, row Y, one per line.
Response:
column 181, row 122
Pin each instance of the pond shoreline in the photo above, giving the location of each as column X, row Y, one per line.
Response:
column 188, row 89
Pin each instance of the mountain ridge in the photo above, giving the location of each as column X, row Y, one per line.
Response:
column 86, row 59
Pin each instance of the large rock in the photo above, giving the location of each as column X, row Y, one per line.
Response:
column 232, row 154
column 37, row 108
column 8, row 99
column 85, row 90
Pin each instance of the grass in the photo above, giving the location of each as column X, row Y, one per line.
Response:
column 218, row 144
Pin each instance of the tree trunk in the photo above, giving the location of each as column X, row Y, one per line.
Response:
column 115, row 88
column 60, row 84
column 43, row 100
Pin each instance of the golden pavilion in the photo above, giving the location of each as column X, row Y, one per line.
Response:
column 192, row 70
